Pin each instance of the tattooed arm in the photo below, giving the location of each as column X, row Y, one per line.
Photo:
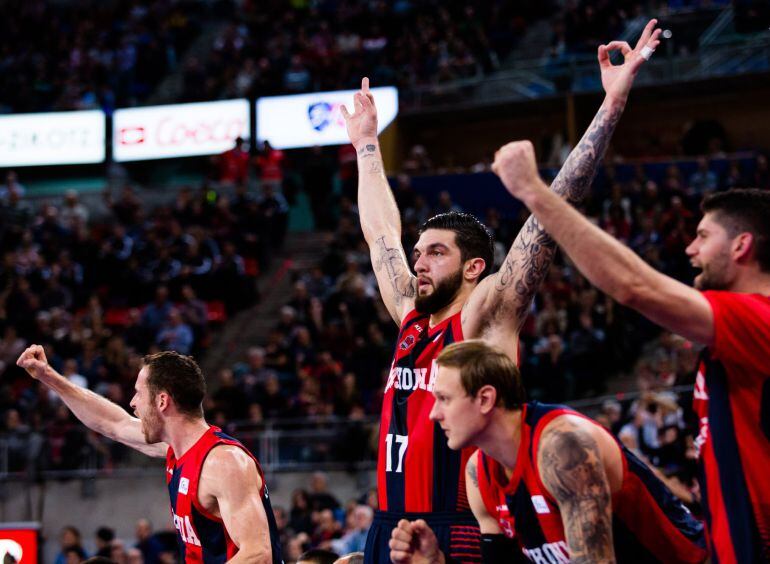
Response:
column 507, row 295
column 380, row 218
column 571, row 468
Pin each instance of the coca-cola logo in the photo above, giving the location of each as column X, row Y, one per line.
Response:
column 171, row 132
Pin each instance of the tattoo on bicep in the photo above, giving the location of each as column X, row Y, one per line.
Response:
column 571, row 468
column 391, row 259
column 525, row 265
column 473, row 473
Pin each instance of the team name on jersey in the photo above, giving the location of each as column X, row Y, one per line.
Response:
column 549, row 553
column 185, row 529
column 406, row 378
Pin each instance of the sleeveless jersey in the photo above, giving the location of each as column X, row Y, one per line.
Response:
column 732, row 401
column 202, row 537
column 416, row 470
column 648, row 523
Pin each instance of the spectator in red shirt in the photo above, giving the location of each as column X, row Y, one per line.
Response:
column 270, row 164
column 234, row 164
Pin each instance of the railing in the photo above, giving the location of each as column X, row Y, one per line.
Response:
column 545, row 77
column 282, row 445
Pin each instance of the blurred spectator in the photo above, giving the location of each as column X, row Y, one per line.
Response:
column 234, row 164
column 12, row 187
column 73, row 213
column 147, row 543
column 354, row 540
column 703, row 180
column 270, row 164
column 318, row 556
column 300, row 519
column 176, row 335
column 104, row 538
column 320, row 498
column 24, row 445
column 69, row 538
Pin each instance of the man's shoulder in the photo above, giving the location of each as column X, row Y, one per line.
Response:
column 751, row 302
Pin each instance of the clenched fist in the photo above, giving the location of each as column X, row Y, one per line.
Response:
column 34, row 361
column 516, row 166
column 414, row 543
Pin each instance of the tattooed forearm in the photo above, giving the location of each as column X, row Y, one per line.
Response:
column 571, row 468
column 533, row 250
column 579, row 169
column 391, row 262
column 369, row 152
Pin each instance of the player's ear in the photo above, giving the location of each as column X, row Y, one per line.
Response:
column 742, row 246
column 474, row 267
column 162, row 400
column 487, row 396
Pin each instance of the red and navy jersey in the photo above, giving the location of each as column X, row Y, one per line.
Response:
column 416, row 471
column 202, row 537
column 649, row 524
column 732, row 401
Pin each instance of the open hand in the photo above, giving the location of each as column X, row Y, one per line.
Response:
column 34, row 361
column 362, row 124
column 516, row 166
column 617, row 79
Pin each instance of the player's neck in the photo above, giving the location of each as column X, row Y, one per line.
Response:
column 752, row 282
column 183, row 432
column 502, row 437
column 450, row 309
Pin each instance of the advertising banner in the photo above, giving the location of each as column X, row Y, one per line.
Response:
column 56, row 138
column 19, row 543
column 306, row 120
column 178, row 130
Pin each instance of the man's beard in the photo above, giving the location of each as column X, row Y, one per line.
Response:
column 151, row 426
column 443, row 294
column 713, row 277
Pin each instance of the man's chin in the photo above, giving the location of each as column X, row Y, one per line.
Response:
column 697, row 282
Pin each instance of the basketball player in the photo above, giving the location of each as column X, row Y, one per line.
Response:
column 219, row 500
column 729, row 311
column 547, row 483
column 452, row 298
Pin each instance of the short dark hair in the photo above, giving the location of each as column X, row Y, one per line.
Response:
column 319, row 556
column 480, row 365
column 105, row 534
column 472, row 237
column 744, row 210
column 179, row 376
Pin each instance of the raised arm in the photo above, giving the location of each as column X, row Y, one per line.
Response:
column 606, row 262
column 512, row 289
column 94, row 411
column 380, row 218
column 570, row 467
column 230, row 477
